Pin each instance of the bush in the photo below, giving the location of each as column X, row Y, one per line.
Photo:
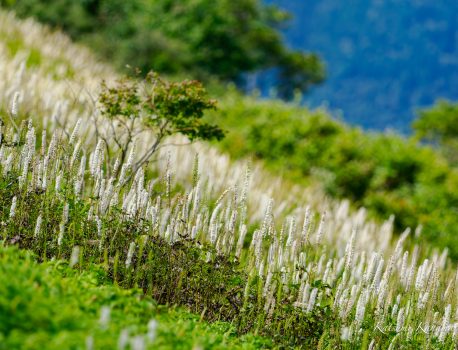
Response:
column 439, row 125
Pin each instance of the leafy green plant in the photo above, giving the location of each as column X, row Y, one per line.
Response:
column 385, row 173
column 156, row 106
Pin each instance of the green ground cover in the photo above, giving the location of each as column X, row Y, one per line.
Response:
column 53, row 306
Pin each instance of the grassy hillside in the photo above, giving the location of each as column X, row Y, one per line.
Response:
column 384, row 173
column 187, row 248
column 300, row 269
column 55, row 102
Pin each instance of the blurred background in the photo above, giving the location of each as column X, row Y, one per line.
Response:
column 384, row 58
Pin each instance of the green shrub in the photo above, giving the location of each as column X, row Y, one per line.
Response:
column 156, row 106
column 439, row 125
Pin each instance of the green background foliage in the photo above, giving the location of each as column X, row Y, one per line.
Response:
column 439, row 125
column 203, row 38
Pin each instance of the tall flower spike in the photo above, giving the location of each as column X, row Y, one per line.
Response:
column 400, row 320
column 241, row 240
column 267, row 217
column 123, row 339
column 152, row 329
column 13, row 207
column 320, row 231
column 43, row 142
column 75, row 256
column 131, row 158
column 312, row 300
column 445, row 323
column 97, row 158
column 65, row 213
column 104, row 319
column 116, row 166
column 15, row 104
column 52, row 148
column 130, row 254
column 38, row 226
column 60, row 238
column 306, row 225
column 75, row 131
column 291, row 231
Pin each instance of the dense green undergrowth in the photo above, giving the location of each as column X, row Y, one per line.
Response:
column 179, row 274
column 384, row 172
column 54, row 306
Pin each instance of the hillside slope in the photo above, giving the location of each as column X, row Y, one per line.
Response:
column 334, row 280
column 57, row 101
column 385, row 173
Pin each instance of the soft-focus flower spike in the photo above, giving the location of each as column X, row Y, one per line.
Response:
column 13, row 207
column 15, row 104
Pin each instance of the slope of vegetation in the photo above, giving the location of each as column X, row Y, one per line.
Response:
column 54, row 100
column 385, row 173
column 54, row 306
column 181, row 248
column 198, row 236
column 186, row 248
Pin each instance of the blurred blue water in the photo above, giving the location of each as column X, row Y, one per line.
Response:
column 384, row 58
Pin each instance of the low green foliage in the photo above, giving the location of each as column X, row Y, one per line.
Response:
column 52, row 306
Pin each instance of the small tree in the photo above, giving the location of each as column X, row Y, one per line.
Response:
column 156, row 106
